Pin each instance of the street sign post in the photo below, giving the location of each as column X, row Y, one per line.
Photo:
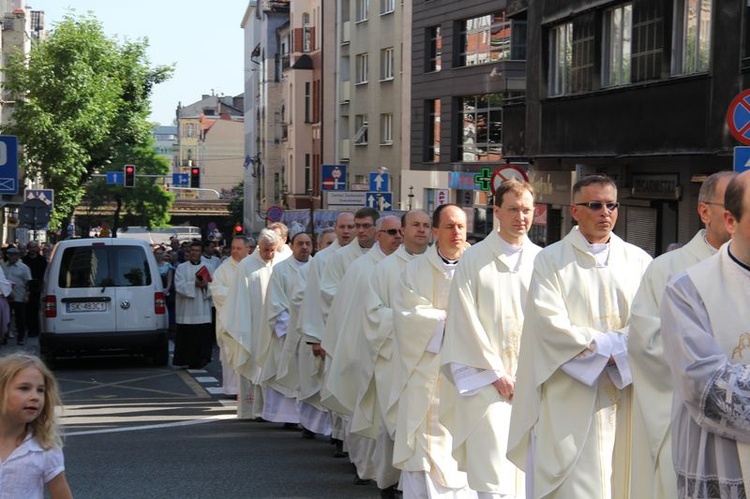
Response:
column 379, row 182
column 275, row 213
column 334, row 177
column 738, row 117
column 47, row 196
column 8, row 164
column 381, row 201
column 507, row 172
column 180, row 179
column 741, row 159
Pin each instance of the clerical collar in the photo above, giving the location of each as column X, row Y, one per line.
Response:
column 737, row 260
column 512, row 254
column 600, row 251
column 446, row 260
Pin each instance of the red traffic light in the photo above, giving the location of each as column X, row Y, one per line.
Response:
column 129, row 171
column 195, row 177
column 238, row 229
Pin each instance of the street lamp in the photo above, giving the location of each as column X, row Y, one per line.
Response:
column 410, row 195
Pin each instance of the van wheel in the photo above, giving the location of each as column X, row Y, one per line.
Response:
column 160, row 355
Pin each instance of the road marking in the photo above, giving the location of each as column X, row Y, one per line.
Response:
column 200, row 420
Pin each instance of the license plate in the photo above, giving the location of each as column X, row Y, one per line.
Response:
column 86, row 306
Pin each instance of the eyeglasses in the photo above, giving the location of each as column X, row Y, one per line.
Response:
column 391, row 232
column 715, row 204
column 363, row 226
column 598, row 205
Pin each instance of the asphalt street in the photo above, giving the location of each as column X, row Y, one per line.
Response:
column 133, row 430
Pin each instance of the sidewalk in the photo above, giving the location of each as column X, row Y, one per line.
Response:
column 31, row 346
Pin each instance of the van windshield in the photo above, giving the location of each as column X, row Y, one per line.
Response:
column 104, row 266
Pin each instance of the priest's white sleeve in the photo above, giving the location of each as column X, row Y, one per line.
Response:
column 469, row 380
column 715, row 391
column 589, row 364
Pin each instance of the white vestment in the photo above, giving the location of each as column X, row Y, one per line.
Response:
column 243, row 317
column 311, row 326
column 706, row 325
column 652, row 470
column 192, row 304
column 333, row 273
column 280, row 401
column 422, row 443
column 377, row 347
column 483, row 336
column 282, row 254
column 222, row 280
column 576, row 314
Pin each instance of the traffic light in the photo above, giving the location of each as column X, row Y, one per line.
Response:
column 129, row 171
column 195, row 177
column 238, row 229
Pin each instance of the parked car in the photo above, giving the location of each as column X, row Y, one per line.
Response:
column 103, row 295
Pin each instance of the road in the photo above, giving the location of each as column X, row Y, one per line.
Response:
column 137, row 431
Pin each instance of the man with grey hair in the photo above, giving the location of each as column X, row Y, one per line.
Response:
column 652, row 470
column 243, row 319
column 223, row 278
column 283, row 249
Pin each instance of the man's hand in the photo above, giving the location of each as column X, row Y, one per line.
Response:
column 317, row 350
column 505, row 386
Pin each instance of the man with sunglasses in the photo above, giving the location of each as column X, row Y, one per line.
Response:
column 482, row 337
column 571, row 418
column 652, row 469
column 342, row 342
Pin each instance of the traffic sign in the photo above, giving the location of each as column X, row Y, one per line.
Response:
column 341, row 199
column 741, row 159
column 274, row 213
column 508, row 172
column 334, row 177
column 180, row 179
column 34, row 214
column 8, row 164
column 379, row 182
column 47, row 196
column 381, row 201
column 115, row 178
column 738, row 117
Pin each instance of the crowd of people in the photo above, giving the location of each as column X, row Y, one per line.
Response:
column 579, row 370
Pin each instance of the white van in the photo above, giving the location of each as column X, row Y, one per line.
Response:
column 103, row 294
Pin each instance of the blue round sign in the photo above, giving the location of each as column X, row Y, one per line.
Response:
column 275, row 213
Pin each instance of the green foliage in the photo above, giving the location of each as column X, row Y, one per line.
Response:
column 82, row 103
column 236, row 203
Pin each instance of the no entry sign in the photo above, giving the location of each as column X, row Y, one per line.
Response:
column 738, row 117
column 507, row 172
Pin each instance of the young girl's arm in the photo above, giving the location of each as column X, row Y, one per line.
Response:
column 58, row 487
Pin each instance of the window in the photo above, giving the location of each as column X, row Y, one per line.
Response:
column 484, row 39
column 308, row 102
column 481, row 119
column 361, row 68
column 363, row 9
column 571, row 57
column 434, row 49
column 386, row 64
column 386, row 129
column 432, row 131
column 618, row 25
column 104, row 266
column 648, row 41
column 560, row 59
column 360, row 136
column 691, row 37
column 306, row 33
column 387, row 6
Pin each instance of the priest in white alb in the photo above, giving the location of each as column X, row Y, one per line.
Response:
column 222, row 280
column 311, row 325
column 280, row 400
column 422, row 444
column 243, row 319
column 283, row 251
column 482, row 339
column 571, row 417
column 652, row 470
column 706, row 332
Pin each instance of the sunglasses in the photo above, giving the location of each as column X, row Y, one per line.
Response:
column 598, row 205
column 391, row 232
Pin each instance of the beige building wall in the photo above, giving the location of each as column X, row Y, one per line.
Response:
column 222, row 150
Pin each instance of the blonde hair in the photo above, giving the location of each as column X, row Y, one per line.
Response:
column 44, row 427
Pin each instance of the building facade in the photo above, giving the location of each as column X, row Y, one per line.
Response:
column 638, row 90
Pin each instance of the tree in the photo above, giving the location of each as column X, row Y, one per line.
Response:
column 82, row 103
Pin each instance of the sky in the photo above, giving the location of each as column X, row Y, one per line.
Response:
column 203, row 40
